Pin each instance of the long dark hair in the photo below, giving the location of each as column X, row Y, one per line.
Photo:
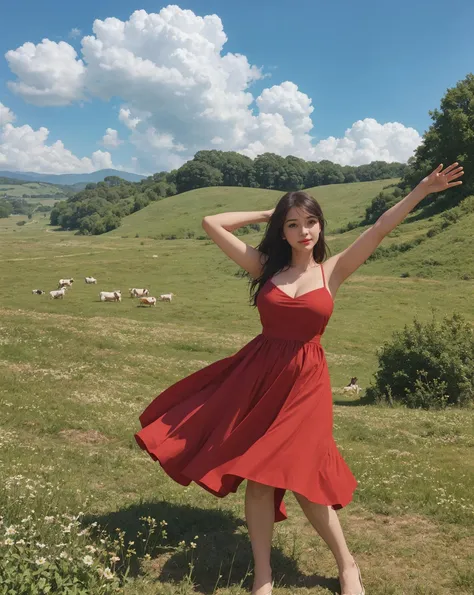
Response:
column 278, row 250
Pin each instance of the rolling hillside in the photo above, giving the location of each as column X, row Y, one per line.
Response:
column 450, row 254
column 34, row 191
column 69, row 179
column 182, row 214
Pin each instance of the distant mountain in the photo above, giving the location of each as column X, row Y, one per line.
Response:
column 70, row 179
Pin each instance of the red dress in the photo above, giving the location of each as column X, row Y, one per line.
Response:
column 264, row 413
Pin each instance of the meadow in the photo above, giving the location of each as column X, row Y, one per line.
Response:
column 38, row 190
column 76, row 374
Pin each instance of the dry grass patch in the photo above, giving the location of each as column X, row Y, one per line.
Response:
column 84, row 436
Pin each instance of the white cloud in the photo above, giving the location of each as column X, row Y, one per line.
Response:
column 48, row 73
column 6, row 115
column 25, row 149
column 183, row 93
column 125, row 116
column 74, row 32
column 367, row 141
column 111, row 139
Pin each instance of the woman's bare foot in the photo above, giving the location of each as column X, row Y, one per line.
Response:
column 349, row 579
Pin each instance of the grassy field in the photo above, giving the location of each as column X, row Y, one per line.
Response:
column 36, row 188
column 76, row 373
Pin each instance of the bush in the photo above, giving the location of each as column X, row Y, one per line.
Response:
column 428, row 365
column 348, row 227
column 247, row 229
column 394, row 249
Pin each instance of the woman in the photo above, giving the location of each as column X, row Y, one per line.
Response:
column 265, row 413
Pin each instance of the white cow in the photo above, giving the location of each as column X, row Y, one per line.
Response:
column 148, row 301
column 65, row 282
column 166, row 297
column 134, row 292
column 58, row 294
column 90, row 280
column 110, row 296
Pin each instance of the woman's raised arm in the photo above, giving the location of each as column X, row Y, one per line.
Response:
column 340, row 266
column 220, row 227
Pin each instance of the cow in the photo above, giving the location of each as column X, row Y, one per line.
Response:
column 65, row 283
column 166, row 297
column 352, row 387
column 134, row 292
column 38, row 291
column 148, row 301
column 110, row 296
column 58, row 294
column 90, row 280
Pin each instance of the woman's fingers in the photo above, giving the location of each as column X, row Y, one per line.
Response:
column 450, row 168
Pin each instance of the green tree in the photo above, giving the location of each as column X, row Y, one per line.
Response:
column 450, row 138
column 5, row 209
column 196, row 174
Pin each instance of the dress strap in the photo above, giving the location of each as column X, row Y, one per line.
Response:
column 322, row 273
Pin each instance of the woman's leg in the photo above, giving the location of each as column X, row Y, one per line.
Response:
column 326, row 522
column 260, row 516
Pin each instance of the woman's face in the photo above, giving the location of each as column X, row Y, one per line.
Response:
column 301, row 229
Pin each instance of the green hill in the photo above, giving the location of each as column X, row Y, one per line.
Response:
column 182, row 214
column 33, row 192
column 446, row 255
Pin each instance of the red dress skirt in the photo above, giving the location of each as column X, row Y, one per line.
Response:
column 264, row 413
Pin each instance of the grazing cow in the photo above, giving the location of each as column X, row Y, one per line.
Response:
column 352, row 387
column 148, row 301
column 58, row 294
column 90, row 280
column 166, row 297
column 134, row 292
column 110, row 296
column 65, row 282
column 155, row 255
column 38, row 291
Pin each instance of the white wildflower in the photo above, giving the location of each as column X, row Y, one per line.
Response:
column 40, row 561
column 10, row 530
column 108, row 574
column 88, row 560
column 8, row 541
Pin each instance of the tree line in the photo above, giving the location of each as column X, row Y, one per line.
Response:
column 100, row 207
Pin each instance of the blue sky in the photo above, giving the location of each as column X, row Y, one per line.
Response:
column 350, row 61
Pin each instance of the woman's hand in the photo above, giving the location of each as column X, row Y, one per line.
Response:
column 439, row 180
column 268, row 214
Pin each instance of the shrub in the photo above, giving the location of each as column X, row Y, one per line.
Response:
column 348, row 227
column 427, row 365
column 394, row 249
column 247, row 229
